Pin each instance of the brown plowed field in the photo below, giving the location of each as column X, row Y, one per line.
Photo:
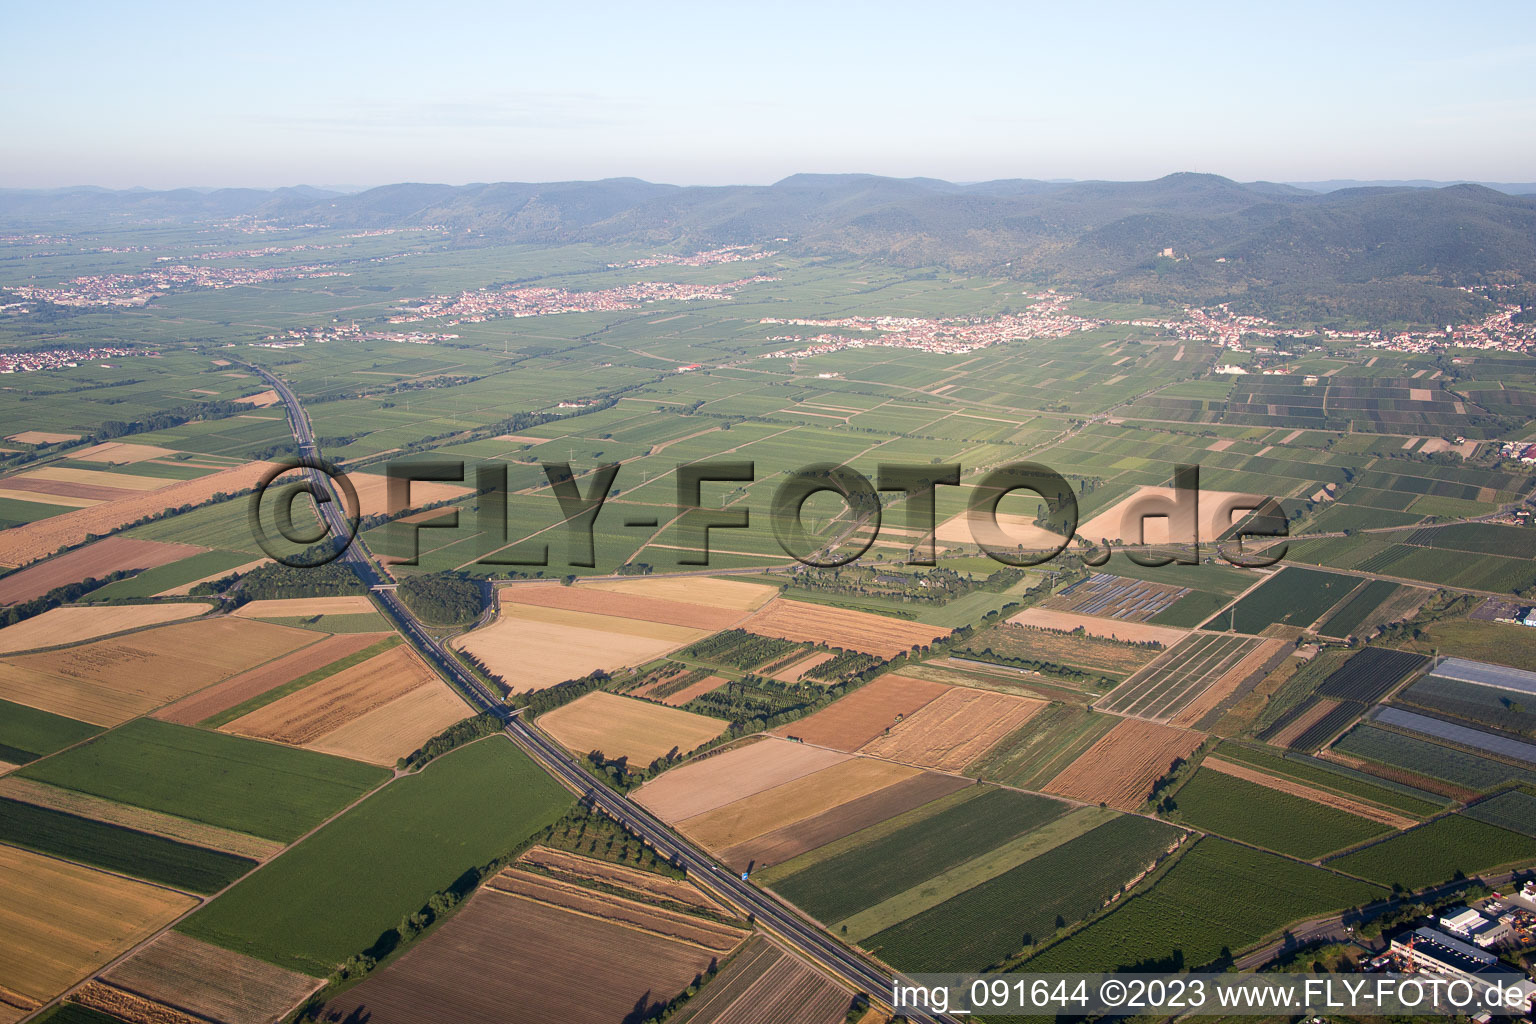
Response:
column 385, row 734
column 504, row 958
column 1227, row 684
column 59, row 921
column 59, row 626
column 204, row 704
column 99, row 559
column 852, row 630
column 698, row 689
column 1304, row 721
column 86, row 806
column 128, row 1006
column 716, row 780
column 624, row 727
column 954, row 729
column 67, row 476
column 107, row 682
column 765, row 982
column 64, row 493
column 1317, row 796
column 214, row 983
column 624, row 606
column 31, row 541
column 299, row 607
column 845, row 819
column 119, row 453
column 642, row 884
column 373, row 492
column 782, row 806
column 41, row 437
column 865, row 713
column 1066, row 622
column 713, row 936
column 322, row 707
column 1121, row 768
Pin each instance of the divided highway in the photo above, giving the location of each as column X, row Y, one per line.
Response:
column 808, row 938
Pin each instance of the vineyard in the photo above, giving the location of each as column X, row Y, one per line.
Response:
column 1514, row 810
column 1339, row 779
column 1437, row 851
column 1292, row 597
column 1255, row 814
column 1460, row 767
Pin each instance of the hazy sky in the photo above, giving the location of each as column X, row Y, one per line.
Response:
column 161, row 94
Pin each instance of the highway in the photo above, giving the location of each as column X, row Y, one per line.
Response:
column 808, row 938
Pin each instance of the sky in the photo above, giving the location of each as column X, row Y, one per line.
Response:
column 166, row 95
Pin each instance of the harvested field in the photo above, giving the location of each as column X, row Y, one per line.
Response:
column 59, row 921
column 535, row 648
column 735, row 595
column 23, row 544
column 239, row 570
column 765, row 982
column 1122, row 767
column 624, row 606
column 1042, row 653
column 41, row 437
column 1115, row 597
column 865, row 713
column 118, row 453
column 1066, row 622
column 713, row 936
column 553, row 965
column 844, row 819
column 680, row 697
column 214, row 983
column 58, row 501
column 784, row 805
column 97, row 560
column 260, row 399
column 642, row 884
column 796, row 670
column 385, row 734
column 320, row 709
column 107, row 682
column 60, row 626
column 373, row 493
column 1020, row 529
column 1227, row 685
column 623, row 727
column 58, row 492
column 66, row 476
column 954, row 729
column 1317, row 796
column 167, row 826
column 1121, row 521
column 804, row 622
column 303, row 607
column 1313, row 713
column 236, row 690
column 128, row 1007
column 724, row 776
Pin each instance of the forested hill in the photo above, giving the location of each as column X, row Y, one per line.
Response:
column 1378, row 252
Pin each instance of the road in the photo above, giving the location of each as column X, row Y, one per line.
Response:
column 809, row 939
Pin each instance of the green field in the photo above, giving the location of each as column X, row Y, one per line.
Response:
column 1461, row 767
column 1335, row 777
column 1254, row 814
column 1219, row 898
column 1437, row 852
column 1292, row 597
column 1514, row 810
column 27, row 733
column 261, row 700
column 988, row 923
column 1038, row 750
column 1358, row 608
column 158, row 580
column 97, row 843
column 246, row 785
column 867, row 873
column 335, row 893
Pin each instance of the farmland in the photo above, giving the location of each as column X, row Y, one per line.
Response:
column 731, row 774
column 1132, row 631
column 1360, row 609
column 1078, row 659
column 215, row 984
column 62, row 626
column 302, row 607
column 310, row 908
column 1123, row 766
column 533, row 648
column 1483, row 706
column 765, row 982
column 1185, row 921
column 990, row 922
column 1044, row 746
column 1115, row 597
column 625, row 605
column 840, row 627
column 150, row 857
column 954, row 728
column 234, row 783
column 1437, row 851
column 1318, row 774
column 1291, row 597
column 27, row 733
column 60, row 921
column 1203, row 664
column 623, row 727
column 866, row 713
column 1514, row 810
column 1425, row 757
column 1245, row 810
column 98, row 560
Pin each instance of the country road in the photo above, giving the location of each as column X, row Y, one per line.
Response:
column 807, row 938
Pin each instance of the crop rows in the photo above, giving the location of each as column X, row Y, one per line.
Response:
column 1436, row 852
column 1428, row 758
column 1370, row 674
